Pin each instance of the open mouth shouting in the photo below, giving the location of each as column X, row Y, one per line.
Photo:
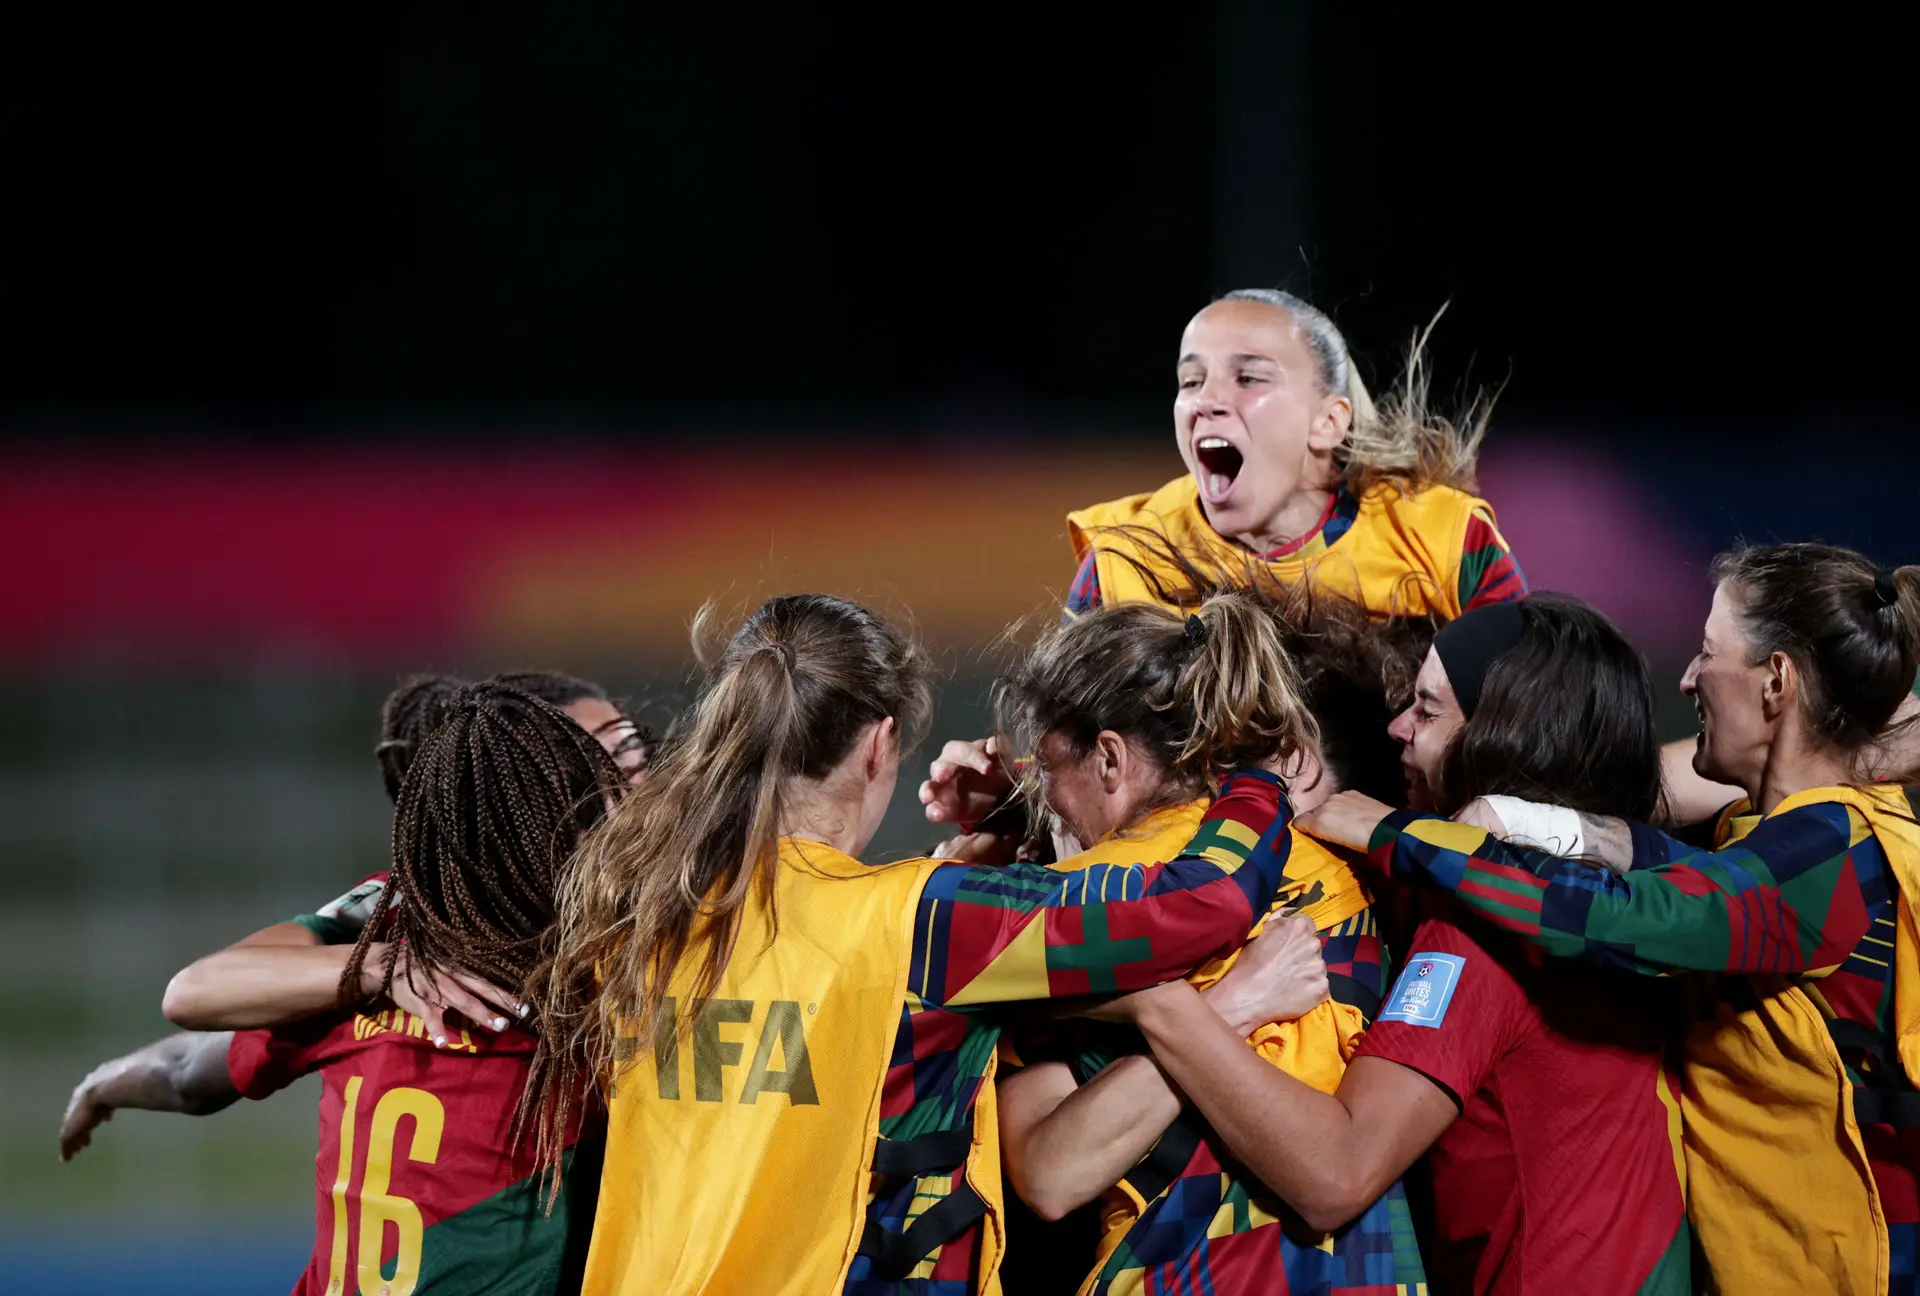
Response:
column 1216, row 466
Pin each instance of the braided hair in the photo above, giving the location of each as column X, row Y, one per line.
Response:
column 488, row 814
column 413, row 710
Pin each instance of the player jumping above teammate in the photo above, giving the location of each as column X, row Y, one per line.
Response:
column 1291, row 464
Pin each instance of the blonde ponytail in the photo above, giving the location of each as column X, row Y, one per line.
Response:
column 665, row 879
column 1199, row 694
column 1400, row 440
column 1243, row 691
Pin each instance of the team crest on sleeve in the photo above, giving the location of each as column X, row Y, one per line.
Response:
column 1425, row 988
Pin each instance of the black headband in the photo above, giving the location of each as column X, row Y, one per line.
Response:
column 1885, row 592
column 1471, row 643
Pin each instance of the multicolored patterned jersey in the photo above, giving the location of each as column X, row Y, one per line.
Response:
column 987, row 936
column 420, row 1186
column 1483, row 570
column 1564, row 1171
column 1189, row 1217
column 1807, row 893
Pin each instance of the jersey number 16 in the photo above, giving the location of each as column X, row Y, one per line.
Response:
column 378, row 1207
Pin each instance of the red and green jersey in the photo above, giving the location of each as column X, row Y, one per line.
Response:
column 340, row 921
column 988, row 936
column 1808, row 891
column 1563, row 1172
column 420, row 1186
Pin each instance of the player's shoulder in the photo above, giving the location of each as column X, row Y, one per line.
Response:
column 1435, row 499
column 1135, row 509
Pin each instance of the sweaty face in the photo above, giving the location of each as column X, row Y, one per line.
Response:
column 1425, row 730
column 1727, row 696
column 1250, row 416
column 1075, row 792
column 614, row 731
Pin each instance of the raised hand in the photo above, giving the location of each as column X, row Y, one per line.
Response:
column 966, row 782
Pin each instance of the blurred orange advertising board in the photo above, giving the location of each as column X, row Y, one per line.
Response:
column 379, row 556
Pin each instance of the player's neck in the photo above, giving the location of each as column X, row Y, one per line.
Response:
column 1303, row 512
column 1793, row 765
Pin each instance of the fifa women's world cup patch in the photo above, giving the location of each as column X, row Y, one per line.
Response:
column 1425, row 988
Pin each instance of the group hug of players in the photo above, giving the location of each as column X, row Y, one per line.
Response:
column 1320, row 908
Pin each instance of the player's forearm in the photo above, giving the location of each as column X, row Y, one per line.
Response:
column 1196, row 906
column 182, row 1073
column 253, row 986
column 1098, row 1133
column 1300, row 1142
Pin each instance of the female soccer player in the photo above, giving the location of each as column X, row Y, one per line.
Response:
column 1544, row 1099
column 1293, row 473
column 1799, row 1099
column 231, row 989
column 1098, row 702
column 1290, row 463
column 799, row 1057
column 422, row 1184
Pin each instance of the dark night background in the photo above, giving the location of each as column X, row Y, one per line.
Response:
column 426, row 213
column 341, row 343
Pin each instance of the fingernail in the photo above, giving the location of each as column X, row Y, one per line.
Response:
column 499, row 1023
column 521, row 1009
column 439, row 1041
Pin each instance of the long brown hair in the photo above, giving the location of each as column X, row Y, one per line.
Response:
column 666, row 878
column 1565, row 716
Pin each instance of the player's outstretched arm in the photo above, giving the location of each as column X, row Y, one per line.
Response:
column 252, row 986
column 181, row 1073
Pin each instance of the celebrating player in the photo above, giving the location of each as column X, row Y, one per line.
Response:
column 1290, row 462
column 256, row 982
column 422, row 1184
column 1099, row 702
column 1544, row 1098
column 1799, row 1099
column 800, row 1062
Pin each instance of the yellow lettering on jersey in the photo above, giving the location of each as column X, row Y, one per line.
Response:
column 378, row 1206
column 337, row 1264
